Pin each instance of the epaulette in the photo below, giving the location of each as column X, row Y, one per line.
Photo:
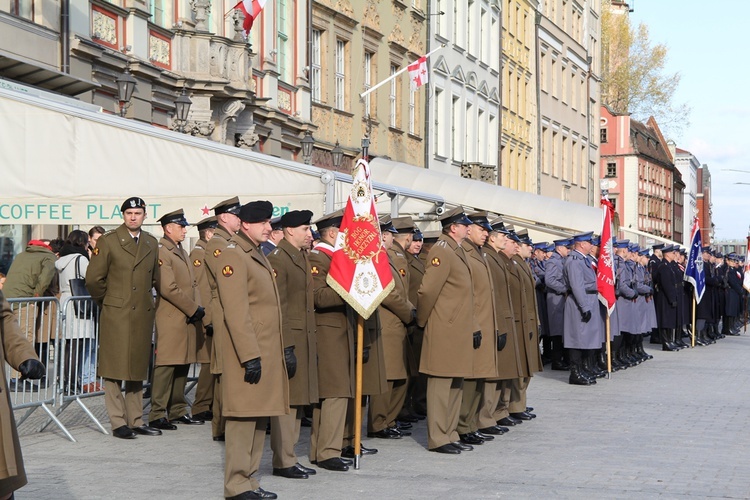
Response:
column 160, row 245
column 198, row 245
column 275, row 251
column 441, row 243
column 231, row 245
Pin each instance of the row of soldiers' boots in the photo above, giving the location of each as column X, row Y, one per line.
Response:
column 584, row 369
column 671, row 340
column 627, row 351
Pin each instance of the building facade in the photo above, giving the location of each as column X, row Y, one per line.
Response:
column 463, row 102
column 635, row 160
column 703, row 203
column 569, row 69
column 687, row 164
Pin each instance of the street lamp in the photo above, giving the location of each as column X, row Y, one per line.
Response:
column 125, row 87
column 182, row 110
column 365, row 147
column 338, row 155
column 307, row 147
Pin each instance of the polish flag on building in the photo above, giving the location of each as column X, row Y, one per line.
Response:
column 418, row 75
column 360, row 271
column 251, row 9
column 605, row 276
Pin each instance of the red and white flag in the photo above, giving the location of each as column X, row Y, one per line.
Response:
column 605, row 276
column 251, row 9
column 418, row 74
column 360, row 271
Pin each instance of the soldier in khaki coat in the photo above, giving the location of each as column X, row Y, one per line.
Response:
column 291, row 267
column 508, row 356
column 16, row 350
column 254, row 376
column 416, row 399
column 485, row 358
column 204, row 389
column 394, row 313
column 178, row 311
column 446, row 311
column 124, row 268
column 228, row 223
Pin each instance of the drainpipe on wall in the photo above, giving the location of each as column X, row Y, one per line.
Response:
column 427, row 110
column 65, row 36
column 537, row 22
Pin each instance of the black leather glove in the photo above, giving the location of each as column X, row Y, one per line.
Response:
column 32, row 369
column 501, row 341
column 477, row 339
column 197, row 315
column 586, row 316
column 365, row 354
column 209, row 330
column 252, row 370
column 291, row 361
column 531, row 335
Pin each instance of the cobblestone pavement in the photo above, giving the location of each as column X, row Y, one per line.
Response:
column 673, row 427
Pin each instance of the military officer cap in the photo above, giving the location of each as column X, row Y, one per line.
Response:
column 455, row 216
column 733, row 257
column 550, row 248
column 633, row 247
column 133, row 202
column 418, row 236
column 512, row 233
column 596, row 241
column 330, row 220
column 404, row 225
column 523, row 235
column 621, row 243
column 706, row 249
column 658, row 246
column 207, row 223
column 643, row 251
column 177, row 217
column 230, row 206
column 296, row 218
column 541, row 246
column 480, row 219
column 315, row 234
column 386, row 225
column 668, row 248
column 718, row 254
column 584, row 237
column 499, row 226
column 276, row 224
column 562, row 242
column 256, row 211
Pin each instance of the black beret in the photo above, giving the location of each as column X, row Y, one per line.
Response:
column 177, row 217
column 296, row 218
column 133, row 202
column 256, row 211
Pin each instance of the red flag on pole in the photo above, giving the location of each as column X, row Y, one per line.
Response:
column 360, row 271
column 418, row 74
column 251, row 9
column 605, row 276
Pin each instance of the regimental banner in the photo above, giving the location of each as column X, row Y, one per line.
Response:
column 694, row 273
column 605, row 278
column 360, row 271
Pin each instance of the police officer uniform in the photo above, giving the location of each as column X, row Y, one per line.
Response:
column 557, row 290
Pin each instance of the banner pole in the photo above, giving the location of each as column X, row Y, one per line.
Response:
column 609, row 350
column 693, row 341
column 358, row 393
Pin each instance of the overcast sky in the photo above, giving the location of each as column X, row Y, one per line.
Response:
column 708, row 46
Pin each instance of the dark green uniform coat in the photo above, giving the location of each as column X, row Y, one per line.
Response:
column 214, row 249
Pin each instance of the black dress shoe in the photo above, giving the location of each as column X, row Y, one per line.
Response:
column 448, row 449
column 483, row 436
column 305, row 422
column 470, row 439
column 461, row 446
column 532, row 415
column 508, row 421
column 389, row 433
column 348, row 451
column 403, row 425
column 253, row 495
column 504, row 429
column 163, row 424
column 493, row 430
column 529, row 409
column 187, row 420
column 408, row 418
column 145, row 430
column 290, row 473
column 306, row 470
column 521, row 415
column 204, row 415
column 124, row 432
column 219, row 438
column 334, row 464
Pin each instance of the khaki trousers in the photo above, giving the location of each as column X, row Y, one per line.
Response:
column 503, row 403
column 244, row 450
column 518, row 395
column 284, row 435
column 488, row 406
column 443, row 408
column 384, row 408
column 168, row 392
column 218, row 423
column 127, row 409
column 204, row 390
column 470, row 398
column 327, row 434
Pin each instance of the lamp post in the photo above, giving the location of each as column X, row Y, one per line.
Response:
column 307, row 147
column 125, row 87
column 182, row 110
column 365, row 147
column 338, row 155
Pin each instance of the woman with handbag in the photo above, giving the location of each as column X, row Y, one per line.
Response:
column 80, row 316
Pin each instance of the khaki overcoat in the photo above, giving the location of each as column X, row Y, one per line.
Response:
column 395, row 313
column 291, row 267
column 120, row 277
column 176, row 300
column 509, row 359
column 531, row 322
column 14, row 349
column 373, row 372
column 252, row 318
column 446, row 311
column 214, row 248
column 485, row 358
column 518, row 303
column 197, row 261
column 335, row 331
